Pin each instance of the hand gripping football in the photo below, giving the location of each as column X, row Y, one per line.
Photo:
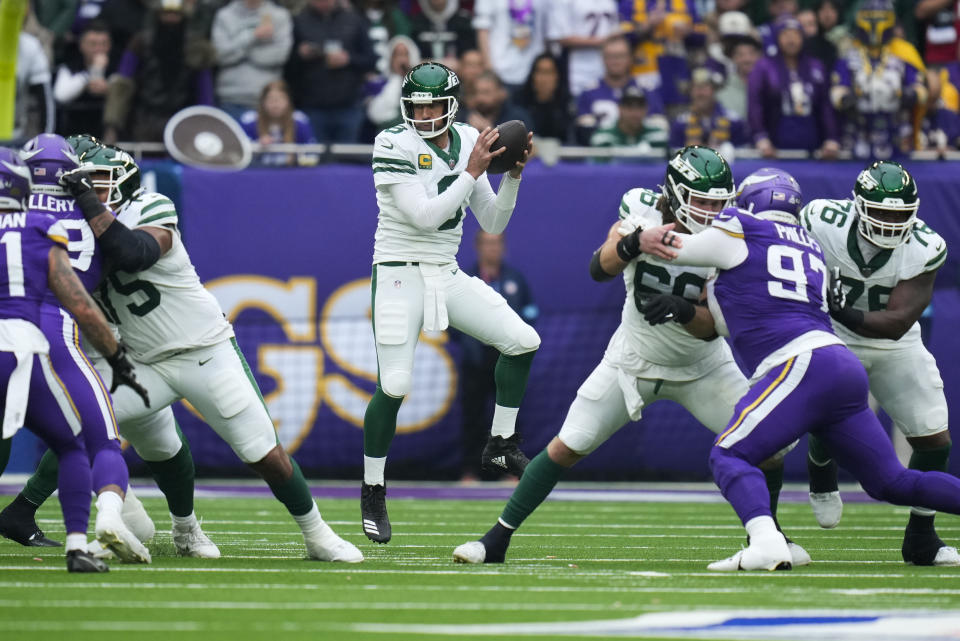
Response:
column 513, row 136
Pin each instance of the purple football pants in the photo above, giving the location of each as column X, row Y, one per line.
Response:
column 823, row 391
column 90, row 398
column 45, row 419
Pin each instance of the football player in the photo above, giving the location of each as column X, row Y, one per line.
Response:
column 887, row 260
column 184, row 348
column 771, row 296
column 34, row 264
column 426, row 172
column 48, row 156
column 644, row 364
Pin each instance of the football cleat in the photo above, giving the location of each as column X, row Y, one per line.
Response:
column 100, row 552
column 21, row 526
column 191, row 541
column 926, row 548
column 83, row 561
column 798, row 556
column 373, row 512
column 136, row 519
column 504, row 455
column 472, row 552
column 769, row 553
column 827, row 508
column 113, row 534
column 323, row 544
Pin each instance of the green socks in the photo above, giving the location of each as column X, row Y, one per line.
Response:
column 511, row 375
column 935, row 460
column 380, row 423
column 174, row 477
column 774, row 480
column 42, row 484
column 5, row 446
column 293, row 492
column 538, row 480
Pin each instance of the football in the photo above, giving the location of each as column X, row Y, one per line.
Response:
column 513, row 136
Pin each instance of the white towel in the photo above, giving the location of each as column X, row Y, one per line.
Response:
column 23, row 339
column 631, row 395
column 434, row 298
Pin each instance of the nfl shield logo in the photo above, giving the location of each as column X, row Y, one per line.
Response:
column 452, row 163
column 397, row 284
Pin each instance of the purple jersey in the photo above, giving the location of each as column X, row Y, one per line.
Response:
column 778, row 293
column 84, row 252
column 26, row 239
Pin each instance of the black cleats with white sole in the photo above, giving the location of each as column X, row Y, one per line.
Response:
column 373, row 511
column 504, row 455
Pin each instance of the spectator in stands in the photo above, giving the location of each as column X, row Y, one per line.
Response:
column 253, row 39
column 939, row 25
column 385, row 20
column 57, row 16
column 706, row 122
column 166, row 67
column 276, row 121
column 789, row 98
column 124, row 19
column 941, row 124
column 632, row 128
column 768, row 31
column 383, row 109
column 732, row 27
column 443, row 31
column 33, row 111
column 744, row 53
column 470, row 68
column 332, row 53
column 511, row 33
column 80, row 88
column 546, row 99
column 478, row 361
column 821, row 43
column 879, row 85
column 597, row 107
column 581, row 27
column 491, row 105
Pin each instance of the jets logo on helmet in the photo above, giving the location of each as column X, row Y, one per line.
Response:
column 426, row 84
column 114, row 170
column 699, row 173
column 886, row 201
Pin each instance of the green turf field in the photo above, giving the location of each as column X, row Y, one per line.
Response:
column 573, row 561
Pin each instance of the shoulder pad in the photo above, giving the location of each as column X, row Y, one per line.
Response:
column 931, row 246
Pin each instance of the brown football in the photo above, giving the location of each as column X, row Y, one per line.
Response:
column 513, row 136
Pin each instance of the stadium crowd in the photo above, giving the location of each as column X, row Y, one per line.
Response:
column 875, row 78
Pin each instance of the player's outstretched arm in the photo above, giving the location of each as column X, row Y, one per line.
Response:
column 906, row 304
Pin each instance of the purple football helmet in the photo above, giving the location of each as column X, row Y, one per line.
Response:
column 49, row 156
column 14, row 180
column 770, row 189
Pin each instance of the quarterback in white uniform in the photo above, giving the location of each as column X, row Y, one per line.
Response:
column 644, row 363
column 886, row 259
column 426, row 172
column 183, row 348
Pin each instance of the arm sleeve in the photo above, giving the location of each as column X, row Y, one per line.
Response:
column 713, row 247
column 494, row 211
column 68, row 85
column 425, row 212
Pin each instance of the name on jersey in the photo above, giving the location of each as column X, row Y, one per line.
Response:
column 18, row 219
column 797, row 235
column 52, row 204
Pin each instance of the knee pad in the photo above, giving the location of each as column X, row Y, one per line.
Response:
column 395, row 383
column 526, row 340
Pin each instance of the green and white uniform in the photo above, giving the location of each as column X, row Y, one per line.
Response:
column 645, row 363
column 903, row 375
column 182, row 346
column 422, row 195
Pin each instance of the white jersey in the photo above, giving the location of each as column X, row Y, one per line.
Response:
column 402, row 155
column 164, row 309
column 587, row 19
column 833, row 223
column 664, row 351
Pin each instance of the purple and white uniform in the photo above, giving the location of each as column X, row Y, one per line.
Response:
column 770, row 297
column 32, row 391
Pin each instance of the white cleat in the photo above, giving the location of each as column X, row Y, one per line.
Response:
column 113, row 534
column 947, row 556
column 100, row 552
column 191, row 541
column 472, row 552
column 771, row 553
column 827, row 508
column 798, row 556
column 323, row 544
column 135, row 517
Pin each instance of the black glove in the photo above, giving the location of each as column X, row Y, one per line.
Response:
column 848, row 102
column 80, row 186
column 663, row 307
column 123, row 374
column 837, row 302
column 628, row 247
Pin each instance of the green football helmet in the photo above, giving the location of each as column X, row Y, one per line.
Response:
column 699, row 172
column 885, row 199
column 425, row 84
column 113, row 169
column 82, row 143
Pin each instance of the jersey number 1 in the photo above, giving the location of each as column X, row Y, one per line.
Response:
column 11, row 241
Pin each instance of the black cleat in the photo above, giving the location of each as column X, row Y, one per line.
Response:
column 926, row 548
column 373, row 511
column 23, row 528
column 504, row 455
column 83, row 561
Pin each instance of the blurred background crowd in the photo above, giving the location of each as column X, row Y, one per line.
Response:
column 868, row 78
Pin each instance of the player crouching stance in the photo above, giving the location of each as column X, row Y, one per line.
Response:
column 426, row 172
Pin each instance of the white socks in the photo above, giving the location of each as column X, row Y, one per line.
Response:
column 761, row 527
column 76, row 542
column 309, row 521
column 373, row 470
column 110, row 503
column 184, row 522
column 504, row 421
